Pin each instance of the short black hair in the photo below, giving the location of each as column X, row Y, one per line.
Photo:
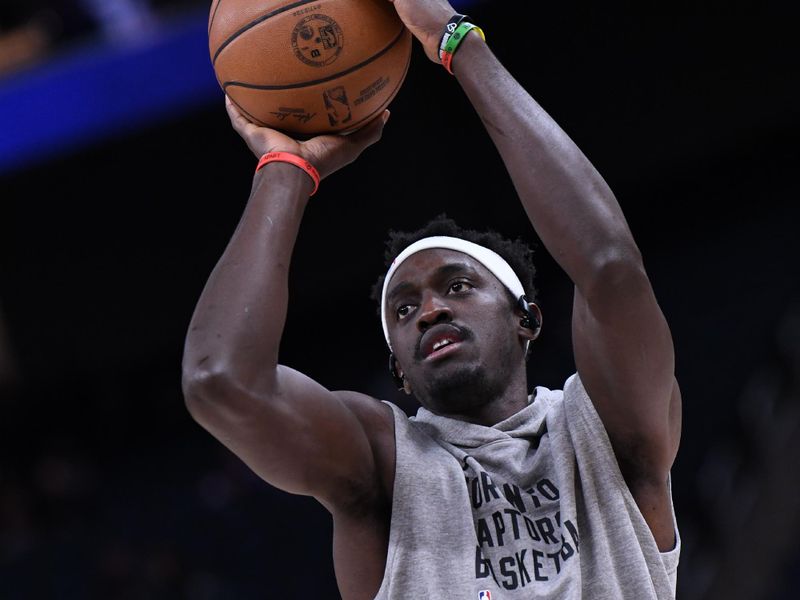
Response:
column 517, row 253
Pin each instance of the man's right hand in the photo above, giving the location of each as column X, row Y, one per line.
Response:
column 328, row 153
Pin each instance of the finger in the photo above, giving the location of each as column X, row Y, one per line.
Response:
column 350, row 146
column 232, row 111
column 238, row 120
column 370, row 133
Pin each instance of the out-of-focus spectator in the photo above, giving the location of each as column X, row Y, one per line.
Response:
column 31, row 29
column 22, row 46
column 121, row 21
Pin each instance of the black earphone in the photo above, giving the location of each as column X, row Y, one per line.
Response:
column 398, row 381
column 529, row 321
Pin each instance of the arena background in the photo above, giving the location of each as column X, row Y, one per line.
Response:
column 121, row 182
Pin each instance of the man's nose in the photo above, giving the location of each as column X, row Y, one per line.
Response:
column 433, row 310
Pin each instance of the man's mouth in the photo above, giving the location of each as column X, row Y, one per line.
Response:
column 440, row 341
column 443, row 349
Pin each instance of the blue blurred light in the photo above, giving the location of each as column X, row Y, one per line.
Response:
column 75, row 99
column 89, row 94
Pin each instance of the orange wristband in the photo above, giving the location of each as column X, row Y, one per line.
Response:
column 293, row 159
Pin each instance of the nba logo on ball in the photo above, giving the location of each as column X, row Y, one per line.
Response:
column 485, row 595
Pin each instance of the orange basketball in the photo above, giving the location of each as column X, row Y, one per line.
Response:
column 308, row 67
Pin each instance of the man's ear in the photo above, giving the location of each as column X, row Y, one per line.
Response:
column 398, row 376
column 530, row 325
column 395, row 372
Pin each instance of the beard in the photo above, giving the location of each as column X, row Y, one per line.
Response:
column 464, row 388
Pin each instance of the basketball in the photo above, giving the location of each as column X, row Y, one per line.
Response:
column 309, row 67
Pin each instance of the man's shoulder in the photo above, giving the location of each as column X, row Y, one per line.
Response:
column 377, row 420
column 370, row 411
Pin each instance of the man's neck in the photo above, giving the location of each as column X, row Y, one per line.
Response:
column 513, row 400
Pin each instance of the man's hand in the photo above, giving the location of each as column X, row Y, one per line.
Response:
column 328, row 153
column 425, row 19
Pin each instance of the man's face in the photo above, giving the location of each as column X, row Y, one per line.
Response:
column 454, row 332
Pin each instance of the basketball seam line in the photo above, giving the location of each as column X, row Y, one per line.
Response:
column 383, row 105
column 213, row 16
column 255, row 22
column 292, row 86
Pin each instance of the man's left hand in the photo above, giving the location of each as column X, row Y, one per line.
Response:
column 425, row 19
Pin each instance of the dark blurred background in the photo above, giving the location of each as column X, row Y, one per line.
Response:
column 121, row 182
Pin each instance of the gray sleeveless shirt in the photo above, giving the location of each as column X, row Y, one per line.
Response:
column 533, row 507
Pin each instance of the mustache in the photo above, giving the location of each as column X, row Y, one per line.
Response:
column 463, row 332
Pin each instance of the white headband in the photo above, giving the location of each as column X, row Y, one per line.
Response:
column 495, row 263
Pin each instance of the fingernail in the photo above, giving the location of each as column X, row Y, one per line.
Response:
column 386, row 115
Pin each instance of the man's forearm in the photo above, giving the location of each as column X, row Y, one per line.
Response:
column 239, row 319
column 570, row 205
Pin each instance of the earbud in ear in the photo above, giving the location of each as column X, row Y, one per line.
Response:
column 399, row 381
column 530, row 320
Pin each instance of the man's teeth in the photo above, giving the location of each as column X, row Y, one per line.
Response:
column 441, row 343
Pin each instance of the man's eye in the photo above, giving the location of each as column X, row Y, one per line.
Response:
column 460, row 286
column 403, row 311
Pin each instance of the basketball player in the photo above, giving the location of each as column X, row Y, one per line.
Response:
column 489, row 492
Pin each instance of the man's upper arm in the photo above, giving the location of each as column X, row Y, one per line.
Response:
column 303, row 438
column 625, row 357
